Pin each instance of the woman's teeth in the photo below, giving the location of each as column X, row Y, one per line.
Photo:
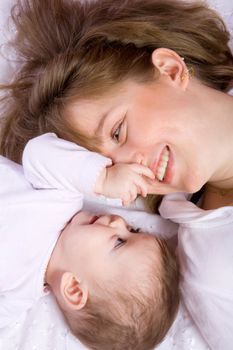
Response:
column 162, row 166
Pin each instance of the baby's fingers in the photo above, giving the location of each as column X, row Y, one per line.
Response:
column 143, row 170
column 142, row 186
column 130, row 196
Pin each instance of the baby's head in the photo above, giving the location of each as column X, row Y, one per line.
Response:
column 117, row 289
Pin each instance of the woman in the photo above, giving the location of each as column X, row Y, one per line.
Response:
column 166, row 77
column 139, row 81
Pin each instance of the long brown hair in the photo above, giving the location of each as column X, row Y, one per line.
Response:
column 72, row 49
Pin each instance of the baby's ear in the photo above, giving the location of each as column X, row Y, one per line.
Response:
column 74, row 292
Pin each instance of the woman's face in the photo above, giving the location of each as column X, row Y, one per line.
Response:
column 157, row 124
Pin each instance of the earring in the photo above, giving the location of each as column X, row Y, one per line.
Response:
column 188, row 73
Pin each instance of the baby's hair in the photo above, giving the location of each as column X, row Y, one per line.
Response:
column 70, row 50
column 132, row 317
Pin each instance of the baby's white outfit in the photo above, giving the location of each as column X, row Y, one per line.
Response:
column 205, row 250
column 31, row 221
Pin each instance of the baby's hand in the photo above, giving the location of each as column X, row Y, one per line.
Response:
column 124, row 181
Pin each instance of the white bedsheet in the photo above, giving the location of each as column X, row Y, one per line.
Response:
column 43, row 327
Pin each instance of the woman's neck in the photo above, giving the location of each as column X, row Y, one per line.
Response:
column 214, row 197
column 219, row 189
column 216, row 118
column 222, row 179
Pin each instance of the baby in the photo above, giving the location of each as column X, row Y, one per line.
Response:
column 117, row 289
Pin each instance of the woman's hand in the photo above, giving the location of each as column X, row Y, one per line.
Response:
column 124, row 181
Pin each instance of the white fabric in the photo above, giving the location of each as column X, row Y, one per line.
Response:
column 31, row 220
column 7, row 64
column 205, row 250
column 43, row 328
column 50, row 162
column 225, row 9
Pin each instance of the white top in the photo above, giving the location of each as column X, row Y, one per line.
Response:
column 31, row 221
column 205, row 249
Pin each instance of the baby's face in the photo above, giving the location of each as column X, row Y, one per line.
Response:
column 104, row 248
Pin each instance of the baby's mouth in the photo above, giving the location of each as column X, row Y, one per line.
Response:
column 93, row 219
column 163, row 164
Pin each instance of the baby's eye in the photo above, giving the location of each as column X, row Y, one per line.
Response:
column 119, row 242
column 116, row 133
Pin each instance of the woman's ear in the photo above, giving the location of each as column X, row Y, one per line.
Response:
column 73, row 292
column 170, row 64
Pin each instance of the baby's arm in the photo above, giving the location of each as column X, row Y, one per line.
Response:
column 51, row 162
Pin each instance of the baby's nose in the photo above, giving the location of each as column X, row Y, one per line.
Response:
column 117, row 221
column 109, row 220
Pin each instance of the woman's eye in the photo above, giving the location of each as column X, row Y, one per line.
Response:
column 119, row 242
column 116, row 133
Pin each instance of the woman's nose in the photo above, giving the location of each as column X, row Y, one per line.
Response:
column 128, row 156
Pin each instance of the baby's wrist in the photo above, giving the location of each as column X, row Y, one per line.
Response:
column 99, row 186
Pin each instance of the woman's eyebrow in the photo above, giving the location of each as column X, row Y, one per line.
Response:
column 110, row 115
column 100, row 126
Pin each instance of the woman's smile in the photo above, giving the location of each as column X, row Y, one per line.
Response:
column 160, row 168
